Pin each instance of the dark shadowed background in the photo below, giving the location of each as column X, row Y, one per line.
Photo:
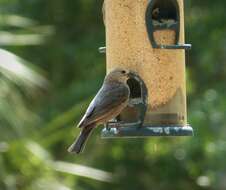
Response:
column 49, row 71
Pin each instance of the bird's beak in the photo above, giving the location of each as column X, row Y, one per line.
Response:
column 130, row 75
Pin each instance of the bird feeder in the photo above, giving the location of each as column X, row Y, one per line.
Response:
column 147, row 38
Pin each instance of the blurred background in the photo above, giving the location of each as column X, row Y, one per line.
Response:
column 49, row 71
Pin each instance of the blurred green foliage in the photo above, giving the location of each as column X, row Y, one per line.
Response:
column 59, row 41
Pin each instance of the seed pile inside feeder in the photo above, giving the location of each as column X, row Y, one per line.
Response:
column 163, row 71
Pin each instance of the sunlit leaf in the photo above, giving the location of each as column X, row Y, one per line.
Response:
column 7, row 38
column 16, row 20
column 14, row 68
column 84, row 171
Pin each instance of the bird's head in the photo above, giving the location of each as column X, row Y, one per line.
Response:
column 156, row 13
column 118, row 75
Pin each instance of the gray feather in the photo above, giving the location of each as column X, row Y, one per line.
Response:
column 79, row 144
column 109, row 97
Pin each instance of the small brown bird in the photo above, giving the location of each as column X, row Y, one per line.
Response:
column 156, row 14
column 111, row 99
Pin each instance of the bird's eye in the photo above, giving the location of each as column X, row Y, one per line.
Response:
column 123, row 72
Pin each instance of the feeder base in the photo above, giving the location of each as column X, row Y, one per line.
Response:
column 145, row 131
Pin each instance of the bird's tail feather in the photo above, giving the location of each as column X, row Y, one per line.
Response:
column 78, row 146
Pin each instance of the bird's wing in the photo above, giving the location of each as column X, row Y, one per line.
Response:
column 108, row 98
column 88, row 113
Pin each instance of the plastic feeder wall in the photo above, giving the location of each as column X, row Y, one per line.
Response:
column 147, row 37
